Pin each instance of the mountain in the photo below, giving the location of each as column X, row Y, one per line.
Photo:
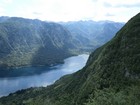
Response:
column 3, row 18
column 93, row 32
column 110, row 77
column 25, row 42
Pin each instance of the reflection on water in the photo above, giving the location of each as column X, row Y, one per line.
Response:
column 12, row 84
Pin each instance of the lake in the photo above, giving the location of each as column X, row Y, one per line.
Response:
column 13, row 82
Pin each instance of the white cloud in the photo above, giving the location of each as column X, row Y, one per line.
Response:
column 121, row 2
column 70, row 10
column 120, row 10
column 8, row 1
column 2, row 11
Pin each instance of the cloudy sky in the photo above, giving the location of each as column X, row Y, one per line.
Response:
column 71, row 10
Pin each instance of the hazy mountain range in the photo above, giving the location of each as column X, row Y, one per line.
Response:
column 91, row 34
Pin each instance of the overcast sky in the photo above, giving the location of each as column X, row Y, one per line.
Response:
column 71, row 10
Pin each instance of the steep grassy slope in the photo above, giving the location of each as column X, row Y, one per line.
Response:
column 26, row 42
column 110, row 77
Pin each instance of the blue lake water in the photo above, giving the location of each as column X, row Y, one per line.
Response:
column 13, row 82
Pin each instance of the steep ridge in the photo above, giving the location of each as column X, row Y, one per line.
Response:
column 110, row 77
column 26, row 42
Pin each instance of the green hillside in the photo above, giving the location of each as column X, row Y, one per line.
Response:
column 110, row 77
column 26, row 42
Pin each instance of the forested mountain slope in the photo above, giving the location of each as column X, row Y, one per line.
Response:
column 25, row 42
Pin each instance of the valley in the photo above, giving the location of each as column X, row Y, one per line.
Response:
column 69, row 52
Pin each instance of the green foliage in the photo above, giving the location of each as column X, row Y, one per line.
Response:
column 127, row 96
